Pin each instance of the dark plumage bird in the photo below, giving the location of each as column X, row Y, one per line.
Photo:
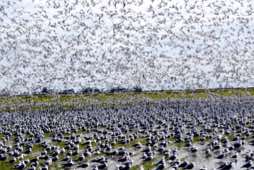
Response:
column 225, row 166
column 189, row 166
column 247, row 164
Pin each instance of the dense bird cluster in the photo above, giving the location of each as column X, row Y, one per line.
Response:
column 159, row 44
column 195, row 134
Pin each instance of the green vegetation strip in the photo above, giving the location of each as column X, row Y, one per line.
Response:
column 131, row 143
column 41, row 102
column 148, row 165
column 4, row 165
column 37, row 148
column 136, row 167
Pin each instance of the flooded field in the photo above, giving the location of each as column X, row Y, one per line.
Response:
column 168, row 134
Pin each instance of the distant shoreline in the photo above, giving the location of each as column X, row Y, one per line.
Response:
column 74, row 100
column 126, row 91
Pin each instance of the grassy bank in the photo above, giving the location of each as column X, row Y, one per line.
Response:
column 36, row 102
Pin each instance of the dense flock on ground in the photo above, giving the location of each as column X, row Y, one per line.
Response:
column 159, row 44
column 207, row 134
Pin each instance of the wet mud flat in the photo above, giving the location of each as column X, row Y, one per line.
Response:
column 215, row 133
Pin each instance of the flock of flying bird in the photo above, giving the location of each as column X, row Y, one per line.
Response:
column 160, row 44
column 195, row 134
